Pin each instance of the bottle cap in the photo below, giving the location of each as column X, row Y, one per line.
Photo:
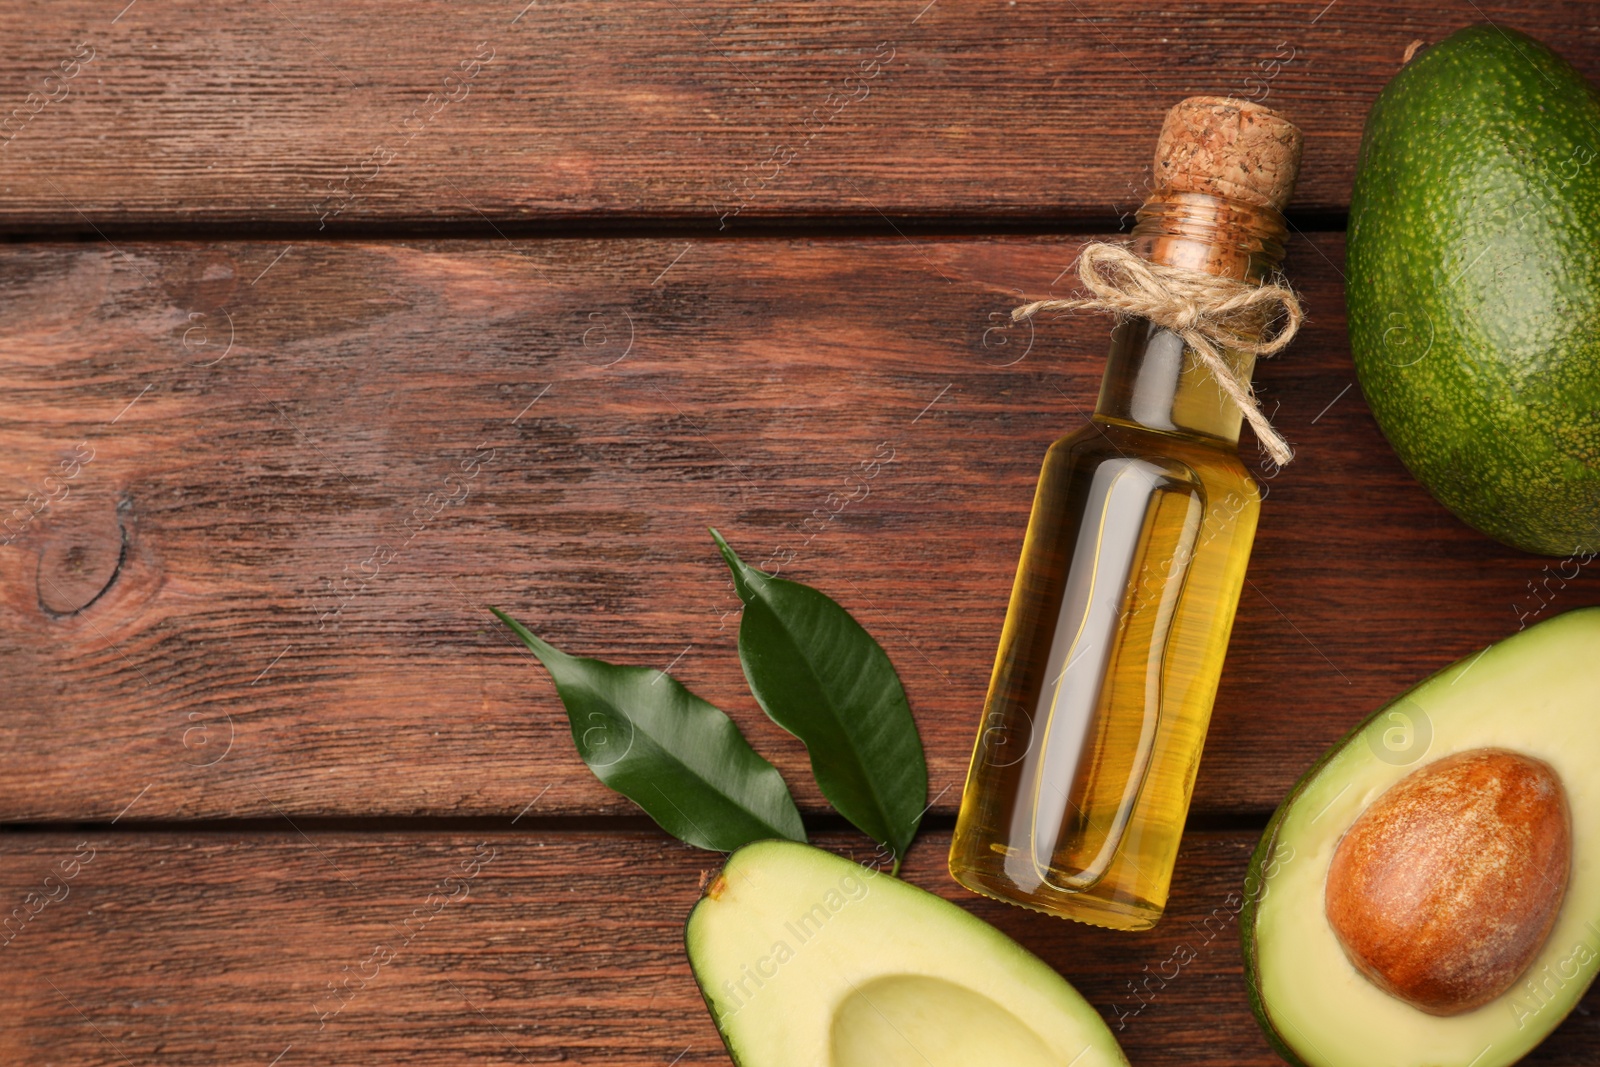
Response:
column 1229, row 148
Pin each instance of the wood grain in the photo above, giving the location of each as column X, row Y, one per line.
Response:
column 222, row 948
column 482, row 113
column 302, row 531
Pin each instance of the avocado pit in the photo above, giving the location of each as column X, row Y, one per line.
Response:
column 1446, row 886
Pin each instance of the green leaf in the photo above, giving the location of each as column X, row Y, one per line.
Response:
column 823, row 678
column 679, row 758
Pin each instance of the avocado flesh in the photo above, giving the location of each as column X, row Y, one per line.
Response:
column 1536, row 693
column 806, row 958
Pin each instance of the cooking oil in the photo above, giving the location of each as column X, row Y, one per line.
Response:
column 1124, row 598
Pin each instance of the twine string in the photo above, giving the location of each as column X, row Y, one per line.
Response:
column 1211, row 313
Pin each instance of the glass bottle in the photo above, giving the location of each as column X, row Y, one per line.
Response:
column 1123, row 601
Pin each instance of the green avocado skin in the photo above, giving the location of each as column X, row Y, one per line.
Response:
column 1474, row 285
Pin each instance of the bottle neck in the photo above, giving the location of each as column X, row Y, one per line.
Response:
column 1152, row 379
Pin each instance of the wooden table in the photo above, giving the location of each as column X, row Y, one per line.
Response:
column 283, row 274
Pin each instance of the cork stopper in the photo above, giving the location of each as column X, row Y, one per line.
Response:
column 1231, row 148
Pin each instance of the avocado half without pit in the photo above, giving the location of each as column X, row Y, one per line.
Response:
column 810, row 960
column 1429, row 893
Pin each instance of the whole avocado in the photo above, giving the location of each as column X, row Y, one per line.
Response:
column 1474, row 285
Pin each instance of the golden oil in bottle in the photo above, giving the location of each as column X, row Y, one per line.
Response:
column 1131, row 570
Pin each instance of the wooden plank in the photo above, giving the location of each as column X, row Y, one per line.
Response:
column 299, row 114
column 282, row 550
column 224, row 948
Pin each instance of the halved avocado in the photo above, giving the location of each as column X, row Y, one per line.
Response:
column 1536, row 693
column 808, row 959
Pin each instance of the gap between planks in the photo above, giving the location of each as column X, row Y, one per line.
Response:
column 933, row 823
column 641, row 227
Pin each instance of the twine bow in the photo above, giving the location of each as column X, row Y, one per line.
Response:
column 1211, row 313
